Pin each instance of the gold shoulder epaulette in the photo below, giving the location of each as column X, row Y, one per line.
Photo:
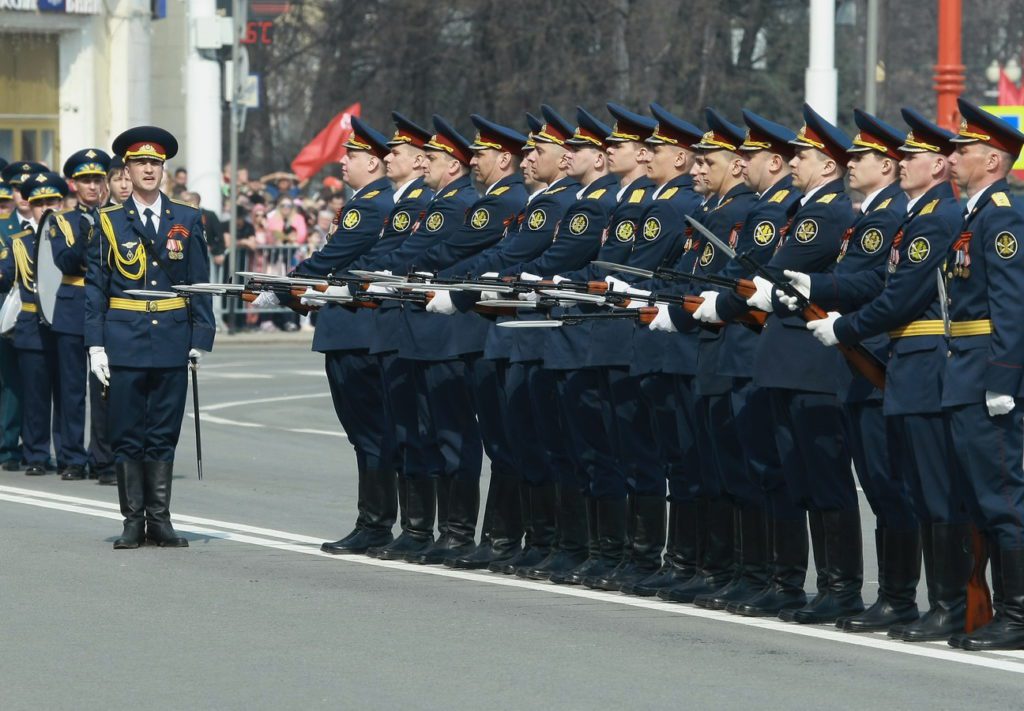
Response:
column 1001, row 199
column 182, row 203
column 827, row 198
column 884, row 204
column 111, row 208
column 636, row 196
column 779, row 196
column 552, row 191
column 668, row 193
column 65, row 228
column 720, row 205
column 929, row 208
column 596, row 194
column 19, row 235
column 450, row 193
column 372, row 193
column 416, row 193
column 499, row 191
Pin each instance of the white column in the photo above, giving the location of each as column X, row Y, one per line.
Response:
column 820, row 80
column 202, row 113
column 129, row 28
column 78, row 91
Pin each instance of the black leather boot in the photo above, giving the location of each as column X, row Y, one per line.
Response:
column 751, row 575
column 844, row 571
column 787, row 572
column 527, row 553
column 459, row 536
column 378, row 510
column 158, row 506
column 608, row 518
column 570, row 549
column 644, row 559
column 543, row 516
column 562, row 577
column 681, row 551
column 502, row 532
column 951, row 562
column 817, row 527
column 1006, row 629
column 899, row 570
column 418, row 531
column 716, row 565
column 131, row 495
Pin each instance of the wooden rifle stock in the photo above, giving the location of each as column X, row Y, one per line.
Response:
column 858, row 357
column 979, row 598
column 646, row 314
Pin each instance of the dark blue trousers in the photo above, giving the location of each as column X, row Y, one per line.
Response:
column 585, row 417
column 491, row 404
column 880, row 475
column 936, row 484
column 990, row 451
column 736, row 477
column 449, row 390
column 40, row 384
column 535, row 425
column 812, row 449
column 101, row 454
column 405, row 392
column 10, row 402
column 357, row 389
column 146, row 409
column 71, row 363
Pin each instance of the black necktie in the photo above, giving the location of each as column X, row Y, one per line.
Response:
column 148, row 223
column 26, row 225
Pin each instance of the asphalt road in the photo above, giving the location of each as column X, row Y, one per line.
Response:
column 252, row 616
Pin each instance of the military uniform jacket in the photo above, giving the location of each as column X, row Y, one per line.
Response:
column 19, row 270
column 426, row 336
column 987, row 285
column 664, row 238
column 898, row 293
column 766, row 223
column 357, row 230
column 388, row 325
column 122, row 258
column 72, row 235
column 788, row 355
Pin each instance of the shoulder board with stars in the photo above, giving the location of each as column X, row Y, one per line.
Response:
column 723, row 204
column 827, row 198
column 929, row 208
column 183, row 204
column 779, row 196
column 596, row 194
column 884, row 204
column 23, row 233
column 668, row 193
column 112, row 208
column 371, row 194
column 1001, row 199
column 636, row 196
column 499, row 191
column 415, row 193
column 552, row 191
column 451, row 192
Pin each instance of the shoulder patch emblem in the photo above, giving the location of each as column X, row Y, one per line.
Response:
column 1001, row 199
column 826, row 199
column 764, row 232
column 596, row 194
column 707, row 255
column 578, row 224
column 929, row 208
column 636, row 196
column 779, row 196
column 499, row 191
column 871, row 240
column 652, row 228
column 882, row 205
column 1006, row 245
column 434, row 221
column 371, row 194
column 668, row 193
column 451, row 192
column 918, row 250
column 625, row 231
column 480, row 218
column 806, row 231
column 415, row 193
column 401, row 221
column 537, row 219
column 351, row 219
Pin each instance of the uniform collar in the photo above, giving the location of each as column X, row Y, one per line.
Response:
column 642, row 182
column 829, row 187
column 507, row 180
column 155, row 207
column 936, row 192
column 378, row 184
column 679, row 181
column 784, row 183
column 400, row 190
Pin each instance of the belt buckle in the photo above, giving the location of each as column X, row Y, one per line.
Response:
column 151, row 306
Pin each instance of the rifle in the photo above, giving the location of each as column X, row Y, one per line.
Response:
column 860, row 358
column 644, row 315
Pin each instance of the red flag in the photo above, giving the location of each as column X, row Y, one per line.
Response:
column 328, row 146
column 1009, row 93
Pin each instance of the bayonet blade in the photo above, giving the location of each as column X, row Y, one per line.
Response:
column 625, row 269
column 711, row 237
column 940, row 282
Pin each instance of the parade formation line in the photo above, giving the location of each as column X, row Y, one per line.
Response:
column 1012, row 661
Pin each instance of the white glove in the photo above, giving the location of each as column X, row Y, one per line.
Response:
column 375, row 288
column 526, row 276
column 342, row 290
column 616, row 284
column 558, row 278
column 266, row 298
column 762, row 298
column 708, row 311
column 489, row 295
column 802, row 282
column 99, row 365
column 310, row 297
column 998, row 404
column 441, row 303
column 194, row 354
column 529, row 296
column 490, row 275
column 825, row 329
column 663, row 322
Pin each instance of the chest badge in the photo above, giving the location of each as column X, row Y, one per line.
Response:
column 871, row 241
column 764, row 233
column 401, row 221
column 480, row 219
column 806, row 231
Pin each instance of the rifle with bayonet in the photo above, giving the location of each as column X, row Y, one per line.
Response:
column 860, row 358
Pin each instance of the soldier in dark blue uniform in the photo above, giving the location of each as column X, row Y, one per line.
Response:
column 33, row 339
column 453, row 383
column 73, row 234
column 801, row 376
column 10, row 383
column 901, row 300
column 982, row 386
column 140, row 348
column 345, row 337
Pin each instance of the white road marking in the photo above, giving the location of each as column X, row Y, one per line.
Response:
column 260, row 401
column 217, row 420
column 308, row 545
column 237, row 376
